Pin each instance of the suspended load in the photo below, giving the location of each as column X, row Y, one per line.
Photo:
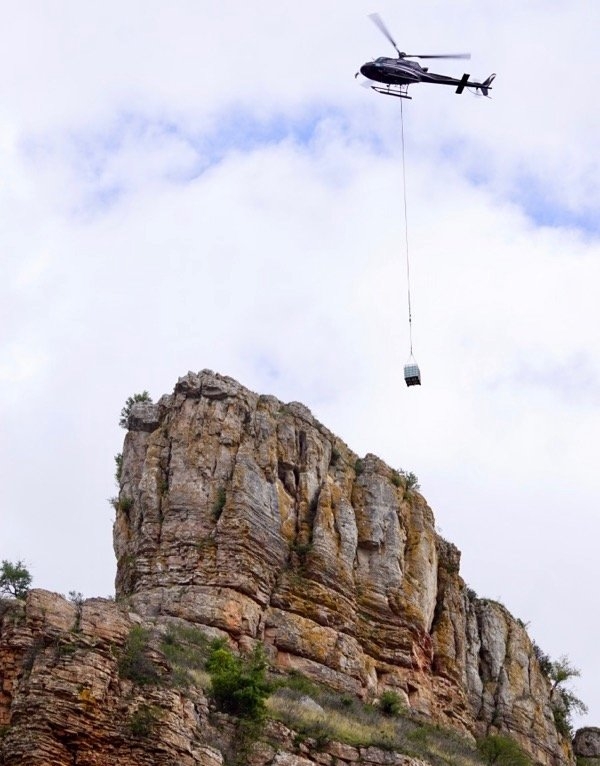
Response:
column 412, row 374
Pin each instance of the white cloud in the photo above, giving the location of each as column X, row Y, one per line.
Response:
column 187, row 188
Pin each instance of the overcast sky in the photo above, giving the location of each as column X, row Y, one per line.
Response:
column 189, row 184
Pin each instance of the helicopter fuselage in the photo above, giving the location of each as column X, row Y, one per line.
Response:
column 397, row 74
column 400, row 71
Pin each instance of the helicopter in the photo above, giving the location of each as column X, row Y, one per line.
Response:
column 396, row 74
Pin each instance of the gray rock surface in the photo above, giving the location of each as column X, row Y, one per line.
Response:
column 587, row 742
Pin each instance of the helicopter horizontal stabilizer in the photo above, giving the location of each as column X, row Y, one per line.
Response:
column 463, row 81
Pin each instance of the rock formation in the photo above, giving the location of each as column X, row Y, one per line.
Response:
column 247, row 515
column 587, row 743
column 248, row 518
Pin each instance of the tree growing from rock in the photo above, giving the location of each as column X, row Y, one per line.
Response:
column 564, row 702
column 125, row 412
column 238, row 685
column 15, row 579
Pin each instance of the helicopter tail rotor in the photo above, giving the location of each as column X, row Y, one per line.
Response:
column 486, row 85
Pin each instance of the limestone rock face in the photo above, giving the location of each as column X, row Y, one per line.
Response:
column 246, row 515
column 63, row 701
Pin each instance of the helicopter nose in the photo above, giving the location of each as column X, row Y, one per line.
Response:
column 368, row 70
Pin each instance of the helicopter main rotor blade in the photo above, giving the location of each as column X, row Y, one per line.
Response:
column 378, row 21
column 438, row 56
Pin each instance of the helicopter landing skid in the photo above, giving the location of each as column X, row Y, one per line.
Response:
column 400, row 92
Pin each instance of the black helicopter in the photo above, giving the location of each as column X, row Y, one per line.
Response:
column 397, row 74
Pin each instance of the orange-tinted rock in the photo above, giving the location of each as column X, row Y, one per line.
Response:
column 249, row 516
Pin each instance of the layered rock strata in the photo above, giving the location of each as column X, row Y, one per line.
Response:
column 244, row 514
column 64, row 701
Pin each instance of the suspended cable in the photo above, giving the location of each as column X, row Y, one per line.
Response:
column 406, row 230
column 412, row 374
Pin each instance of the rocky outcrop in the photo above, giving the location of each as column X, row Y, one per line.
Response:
column 65, row 700
column 587, row 743
column 246, row 515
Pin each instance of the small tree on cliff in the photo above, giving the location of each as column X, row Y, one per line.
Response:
column 125, row 412
column 564, row 702
column 238, row 684
column 14, row 579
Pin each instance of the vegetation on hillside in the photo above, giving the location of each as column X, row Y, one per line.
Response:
column 15, row 579
column 565, row 703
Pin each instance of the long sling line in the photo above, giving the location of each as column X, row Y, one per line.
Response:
column 406, row 232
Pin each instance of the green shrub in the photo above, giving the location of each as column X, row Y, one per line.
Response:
column 412, row 481
column 219, row 503
column 561, row 721
column 498, row 750
column 390, row 703
column 335, row 456
column 76, row 597
column 126, row 411
column 142, row 721
column 63, row 647
column 408, row 480
column 346, row 701
column 562, row 699
column 125, row 504
column 186, row 650
column 238, row 685
column 134, row 662
column 121, row 503
column 118, row 467
column 296, row 681
column 419, row 736
column 359, row 467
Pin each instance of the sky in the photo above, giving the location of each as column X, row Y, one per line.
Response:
column 198, row 185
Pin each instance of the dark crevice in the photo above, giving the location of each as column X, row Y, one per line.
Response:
column 302, row 447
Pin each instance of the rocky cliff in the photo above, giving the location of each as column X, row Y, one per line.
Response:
column 245, row 514
column 248, row 518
